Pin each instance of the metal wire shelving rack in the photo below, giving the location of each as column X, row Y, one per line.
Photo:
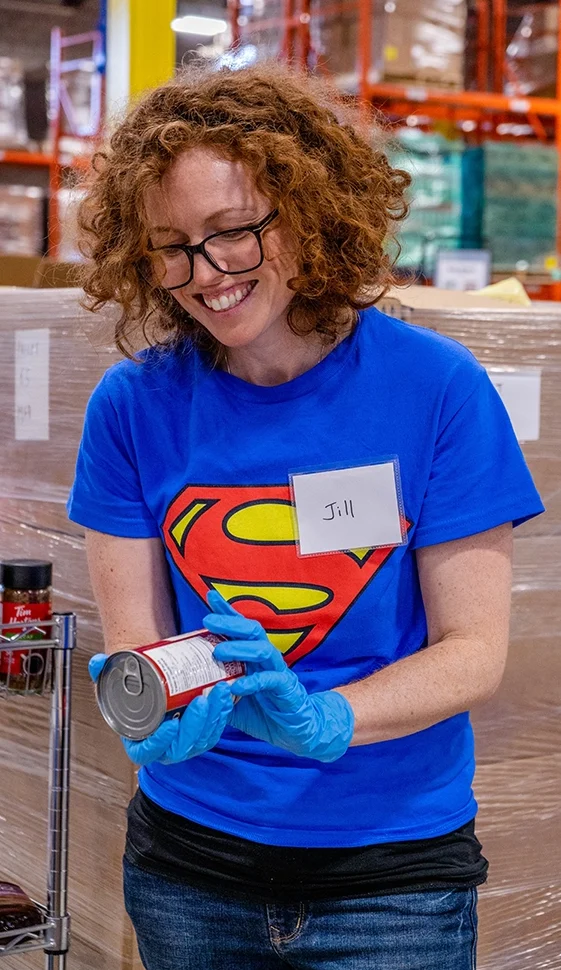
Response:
column 52, row 934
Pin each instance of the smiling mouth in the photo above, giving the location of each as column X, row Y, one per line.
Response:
column 225, row 302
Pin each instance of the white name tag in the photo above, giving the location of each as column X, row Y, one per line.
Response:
column 349, row 508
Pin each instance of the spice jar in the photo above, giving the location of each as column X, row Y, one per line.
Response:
column 25, row 588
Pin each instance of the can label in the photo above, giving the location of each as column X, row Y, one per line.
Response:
column 188, row 663
column 22, row 662
column 138, row 689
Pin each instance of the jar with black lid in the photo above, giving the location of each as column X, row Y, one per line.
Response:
column 25, row 588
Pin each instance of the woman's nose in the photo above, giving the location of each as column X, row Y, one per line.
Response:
column 204, row 273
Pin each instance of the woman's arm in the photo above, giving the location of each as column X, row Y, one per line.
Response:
column 131, row 587
column 466, row 587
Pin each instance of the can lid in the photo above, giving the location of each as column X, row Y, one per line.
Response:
column 131, row 695
column 26, row 574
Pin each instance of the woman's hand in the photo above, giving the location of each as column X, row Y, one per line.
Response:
column 197, row 730
column 274, row 705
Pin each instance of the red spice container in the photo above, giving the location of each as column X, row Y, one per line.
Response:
column 25, row 589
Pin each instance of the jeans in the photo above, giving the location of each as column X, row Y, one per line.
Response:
column 180, row 927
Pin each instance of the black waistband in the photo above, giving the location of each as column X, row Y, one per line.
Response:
column 177, row 848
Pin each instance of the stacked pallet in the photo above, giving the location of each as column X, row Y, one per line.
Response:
column 35, row 477
column 518, row 733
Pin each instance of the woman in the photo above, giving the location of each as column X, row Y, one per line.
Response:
column 339, row 489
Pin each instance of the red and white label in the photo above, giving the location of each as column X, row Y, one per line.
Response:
column 25, row 613
column 187, row 663
column 15, row 661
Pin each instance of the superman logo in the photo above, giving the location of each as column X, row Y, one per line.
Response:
column 241, row 541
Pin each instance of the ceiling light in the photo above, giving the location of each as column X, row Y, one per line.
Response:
column 202, row 26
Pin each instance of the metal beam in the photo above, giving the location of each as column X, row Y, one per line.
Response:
column 485, row 100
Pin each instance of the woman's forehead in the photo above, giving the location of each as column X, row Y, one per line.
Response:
column 199, row 184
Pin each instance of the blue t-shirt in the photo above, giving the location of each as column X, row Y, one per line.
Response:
column 200, row 458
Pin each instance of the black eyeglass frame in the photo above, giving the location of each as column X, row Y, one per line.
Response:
column 191, row 251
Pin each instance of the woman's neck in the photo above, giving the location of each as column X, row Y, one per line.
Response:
column 296, row 356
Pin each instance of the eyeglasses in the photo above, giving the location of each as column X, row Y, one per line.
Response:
column 233, row 251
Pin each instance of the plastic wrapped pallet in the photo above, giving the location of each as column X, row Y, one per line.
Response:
column 22, row 220
column 35, row 477
column 12, row 116
column 425, row 43
column 519, row 215
column 518, row 733
column 408, row 42
column 334, row 35
column 435, row 216
column 531, row 56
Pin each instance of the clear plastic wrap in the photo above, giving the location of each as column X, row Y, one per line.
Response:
column 531, row 56
column 35, row 477
column 518, row 733
column 526, row 337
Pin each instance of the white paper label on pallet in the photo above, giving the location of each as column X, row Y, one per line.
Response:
column 462, row 269
column 520, row 106
column 32, row 385
column 520, row 390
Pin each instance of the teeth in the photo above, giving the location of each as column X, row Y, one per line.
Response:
column 226, row 302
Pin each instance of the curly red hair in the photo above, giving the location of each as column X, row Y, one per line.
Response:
column 337, row 194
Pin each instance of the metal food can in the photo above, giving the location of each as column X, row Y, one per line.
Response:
column 138, row 689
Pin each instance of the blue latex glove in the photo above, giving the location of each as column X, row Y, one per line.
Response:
column 197, row 730
column 275, row 706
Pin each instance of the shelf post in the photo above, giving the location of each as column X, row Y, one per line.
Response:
column 59, row 788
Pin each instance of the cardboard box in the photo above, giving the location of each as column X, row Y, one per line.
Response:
column 425, row 44
column 55, row 274
column 18, row 270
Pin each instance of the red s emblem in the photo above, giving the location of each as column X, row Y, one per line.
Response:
column 241, row 540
